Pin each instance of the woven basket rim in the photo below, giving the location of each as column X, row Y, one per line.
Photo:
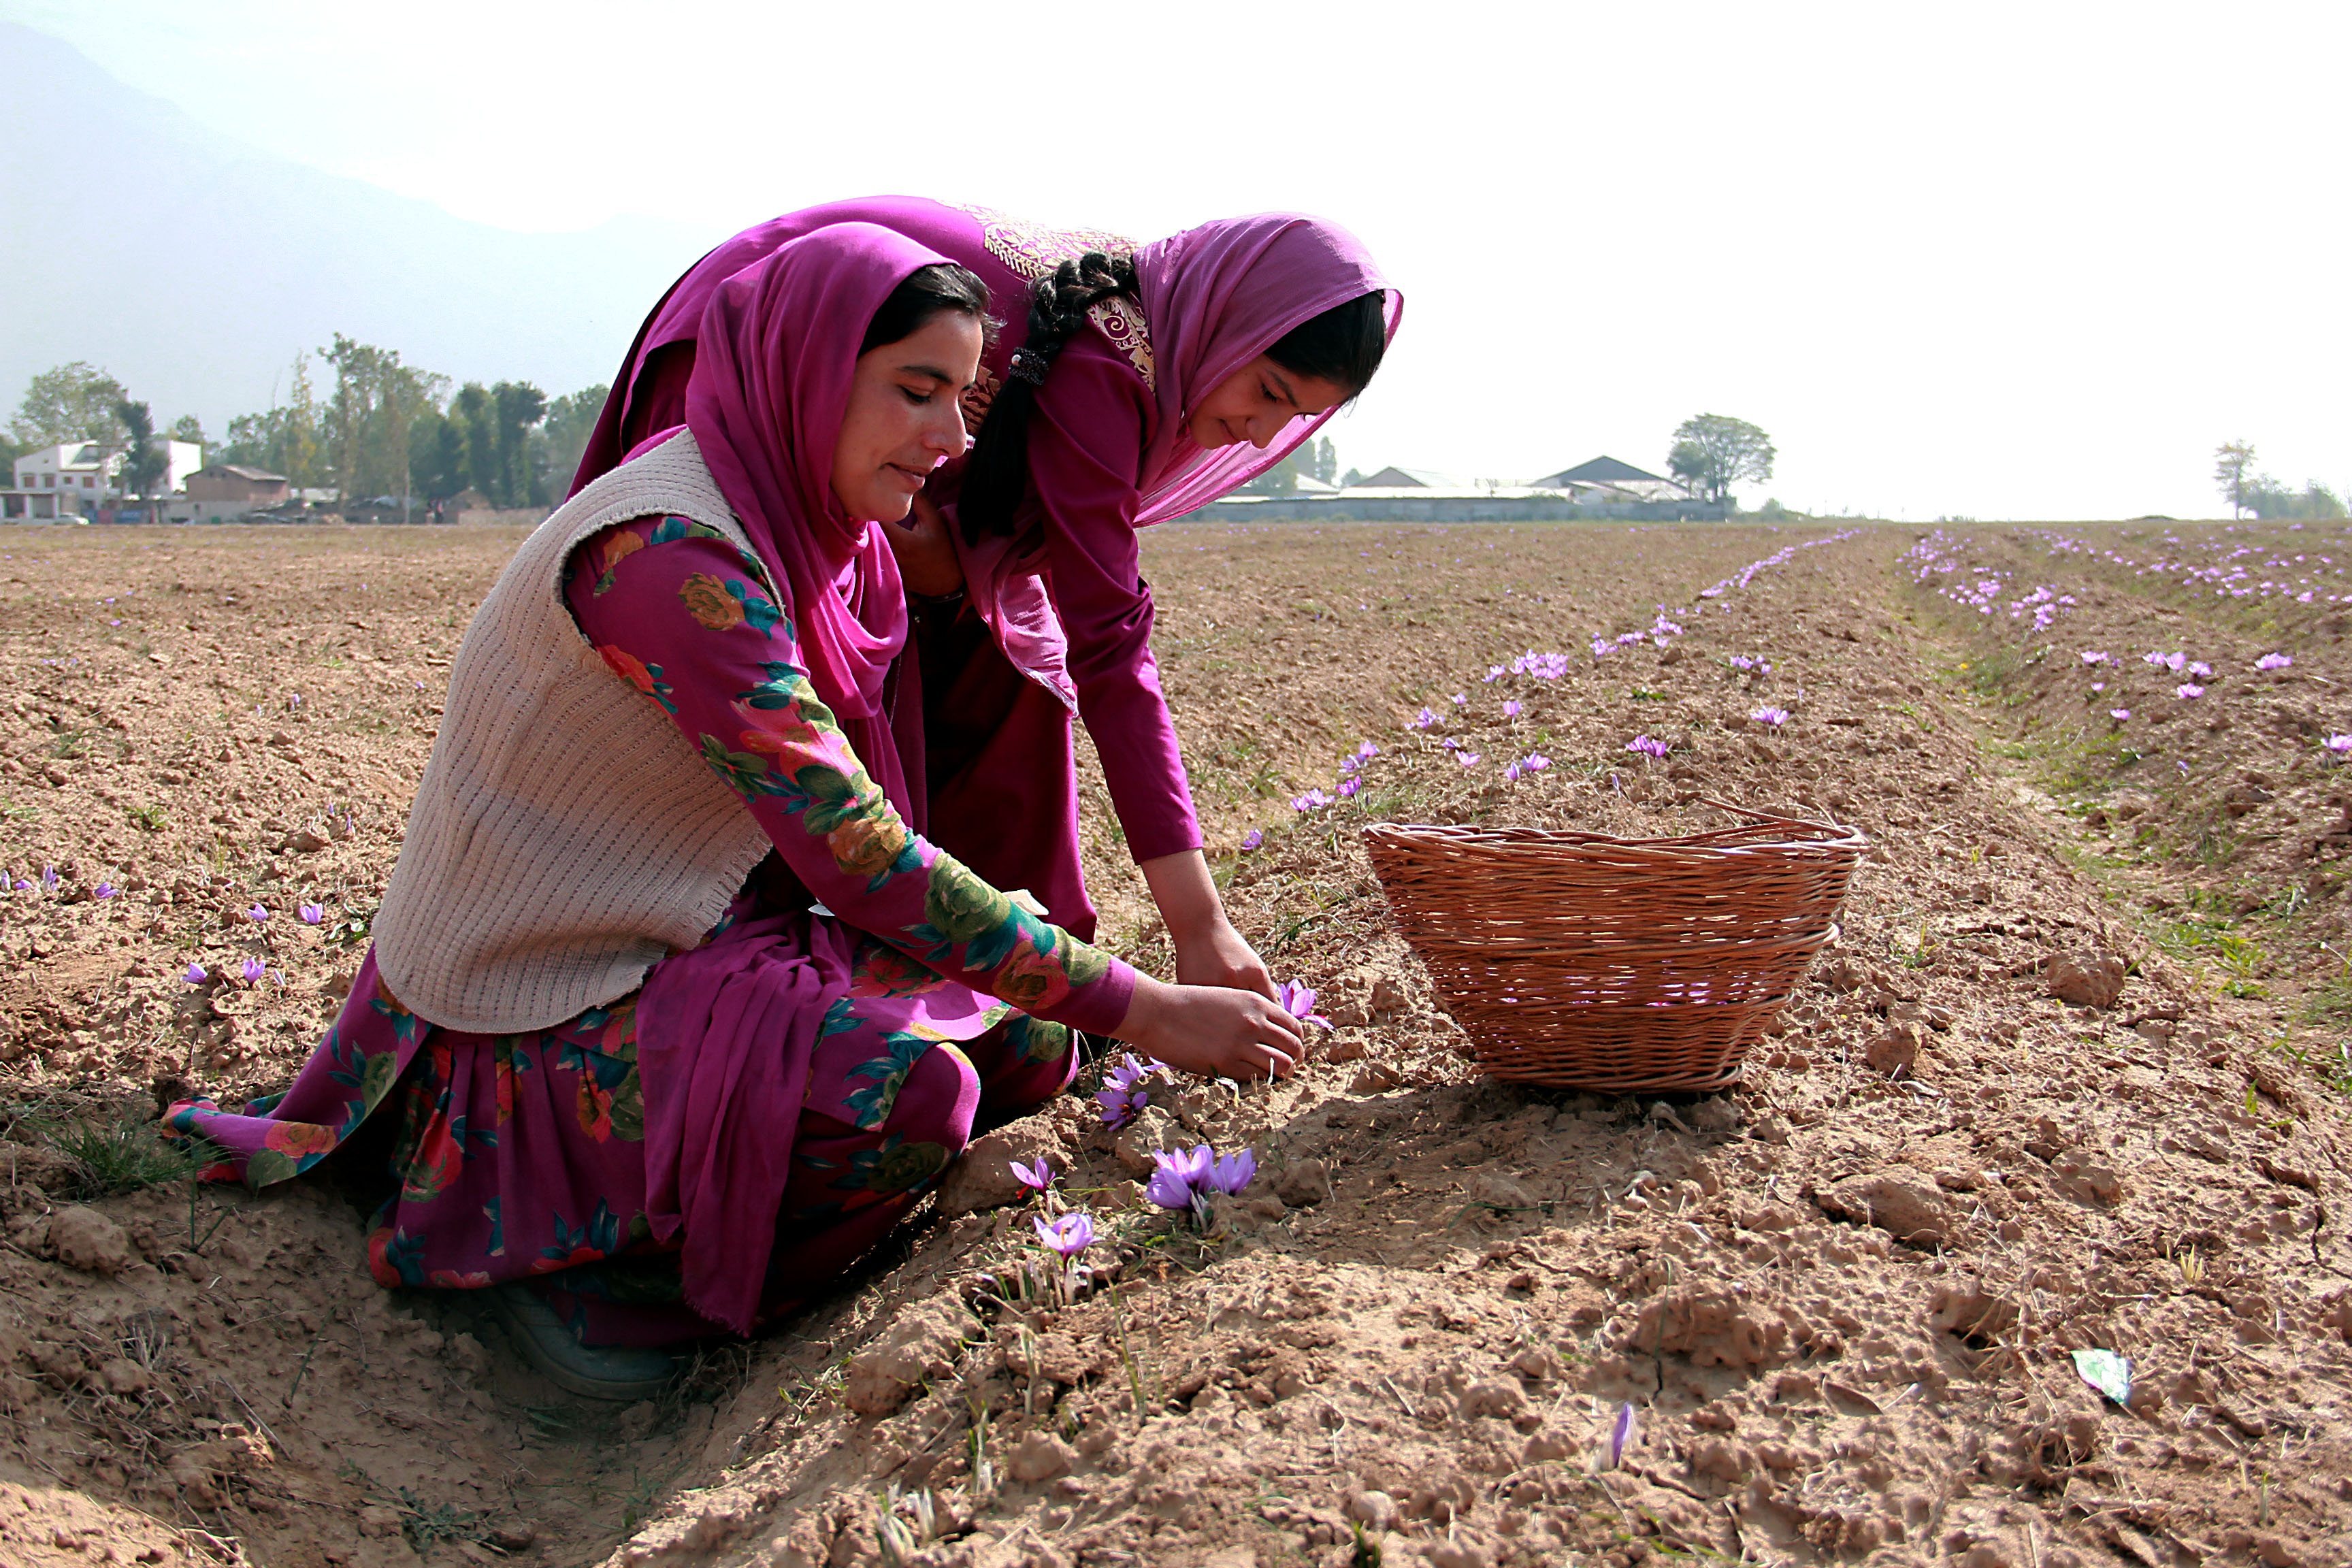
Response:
column 1763, row 831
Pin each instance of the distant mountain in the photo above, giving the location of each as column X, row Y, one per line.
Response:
column 192, row 267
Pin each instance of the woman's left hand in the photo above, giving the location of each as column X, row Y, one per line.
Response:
column 1223, row 956
column 927, row 562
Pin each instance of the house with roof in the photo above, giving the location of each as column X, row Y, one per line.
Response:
column 1395, row 478
column 79, row 477
column 1606, row 480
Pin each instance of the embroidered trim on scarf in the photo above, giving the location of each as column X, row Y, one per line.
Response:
column 1033, row 250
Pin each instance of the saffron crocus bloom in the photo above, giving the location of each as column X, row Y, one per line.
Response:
column 1066, row 1236
column 257, row 914
column 1036, row 1178
column 49, row 877
column 1230, row 1173
column 1536, row 763
column 253, row 969
column 1253, row 837
column 1460, row 699
column 1624, row 1433
column 1120, row 1105
column 2118, row 713
column 2174, row 661
column 2188, row 691
column 1349, row 786
column 1647, row 746
column 1775, row 717
column 2274, row 661
column 1423, row 720
column 1511, row 771
column 1313, row 800
column 1367, row 750
column 2155, row 659
column 196, row 975
column 2090, row 656
column 1177, row 1178
column 1298, row 999
column 2201, row 669
column 1167, row 1189
column 311, row 913
column 2339, row 744
column 1603, row 647
column 1510, row 709
column 1467, row 759
column 104, row 889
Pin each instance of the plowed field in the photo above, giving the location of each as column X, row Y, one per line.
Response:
column 2072, row 1077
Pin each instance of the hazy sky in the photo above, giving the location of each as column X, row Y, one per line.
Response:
column 1984, row 260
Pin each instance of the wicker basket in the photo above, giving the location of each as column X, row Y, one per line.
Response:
column 1620, row 964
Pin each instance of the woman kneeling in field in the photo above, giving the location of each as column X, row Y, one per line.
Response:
column 669, row 1014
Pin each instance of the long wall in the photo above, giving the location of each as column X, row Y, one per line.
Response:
column 1446, row 509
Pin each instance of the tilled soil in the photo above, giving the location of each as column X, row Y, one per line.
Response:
column 1827, row 1314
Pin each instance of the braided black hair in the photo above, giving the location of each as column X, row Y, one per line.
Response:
column 996, row 475
column 941, row 288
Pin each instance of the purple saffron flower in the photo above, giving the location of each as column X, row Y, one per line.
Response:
column 2339, row 744
column 2155, row 659
column 1167, row 1188
column 1510, row 709
column 1120, row 1105
column 104, row 889
column 253, row 969
column 1253, row 837
column 1298, row 999
column 49, row 877
column 1511, row 771
column 23, row 886
column 257, row 914
column 2188, row 691
column 1423, row 720
column 1461, row 700
column 2174, row 661
column 1647, row 746
column 1349, row 786
column 1451, row 743
column 1367, row 750
column 2118, row 713
column 1624, row 1433
column 2274, row 661
column 1467, row 759
column 311, row 913
column 1536, row 763
column 1036, row 1178
column 1313, row 800
column 196, row 975
column 1603, row 647
column 1066, row 1236
column 1232, row 1173
column 1775, row 717
column 2201, row 669
column 2090, row 656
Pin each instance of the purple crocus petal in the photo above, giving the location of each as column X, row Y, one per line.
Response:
column 1467, row 759
column 1194, row 1165
column 1367, row 750
column 311, row 913
column 104, row 890
column 1037, row 1177
column 1622, row 1434
column 1510, row 709
column 2339, row 744
column 254, row 969
column 48, row 876
column 1066, row 1236
column 2188, row 691
column 1537, row 761
column 257, row 914
column 1348, row 788
column 196, row 975
column 2118, row 713
column 1232, row 1173
column 1168, row 1190
column 1511, row 771
column 2274, row 661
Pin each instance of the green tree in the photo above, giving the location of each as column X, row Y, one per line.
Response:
column 571, row 421
column 1712, row 452
column 377, row 401
column 436, row 455
column 76, row 402
column 286, row 440
column 1353, row 477
column 1281, row 479
column 1320, row 461
column 2268, row 500
column 145, row 462
column 517, row 406
column 187, row 427
column 471, row 409
column 2231, row 462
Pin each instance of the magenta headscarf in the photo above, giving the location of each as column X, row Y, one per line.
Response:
column 775, row 353
column 1215, row 298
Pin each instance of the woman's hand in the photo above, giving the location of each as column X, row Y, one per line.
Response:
column 1213, row 1031
column 1209, row 950
column 1220, row 955
column 927, row 562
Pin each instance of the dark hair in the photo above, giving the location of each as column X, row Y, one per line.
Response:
column 1342, row 345
column 996, row 475
column 927, row 291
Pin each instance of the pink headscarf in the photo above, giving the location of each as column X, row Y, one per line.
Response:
column 1215, row 298
column 775, row 353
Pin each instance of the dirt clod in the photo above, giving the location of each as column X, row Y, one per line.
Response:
column 86, row 1239
column 2087, row 978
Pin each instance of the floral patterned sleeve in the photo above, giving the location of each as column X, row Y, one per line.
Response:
column 681, row 614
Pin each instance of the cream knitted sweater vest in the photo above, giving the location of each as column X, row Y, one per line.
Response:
column 566, row 835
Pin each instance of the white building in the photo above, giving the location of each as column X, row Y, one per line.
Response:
column 1604, row 481
column 89, row 474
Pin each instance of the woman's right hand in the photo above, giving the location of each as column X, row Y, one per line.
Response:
column 1213, row 1031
